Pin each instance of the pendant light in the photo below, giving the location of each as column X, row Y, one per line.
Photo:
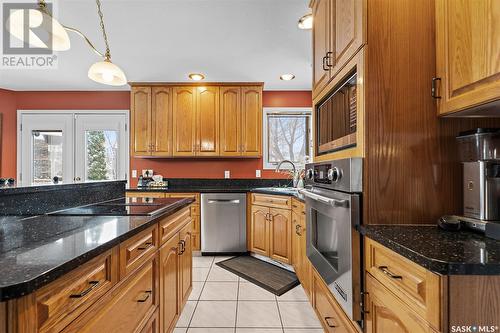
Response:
column 105, row 71
column 58, row 35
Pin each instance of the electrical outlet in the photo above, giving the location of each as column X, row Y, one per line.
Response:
column 227, row 174
column 134, row 173
column 148, row 171
column 257, row 174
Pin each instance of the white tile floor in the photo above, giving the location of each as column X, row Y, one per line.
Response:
column 222, row 302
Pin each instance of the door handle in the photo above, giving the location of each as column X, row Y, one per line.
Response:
column 212, row 201
column 93, row 285
column 434, row 87
column 145, row 246
column 328, row 57
column 145, row 296
column 326, row 69
column 330, row 201
column 387, row 272
column 327, row 320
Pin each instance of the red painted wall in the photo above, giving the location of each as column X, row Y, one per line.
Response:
column 178, row 168
column 8, row 134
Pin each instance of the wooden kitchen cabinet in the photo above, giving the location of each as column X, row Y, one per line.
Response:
column 251, row 126
column 230, row 121
column 280, row 235
column 196, row 120
column 140, row 118
column 270, row 230
column 185, row 264
column 386, row 313
column 184, row 121
column 169, row 282
column 300, row 261
column 151, row 117
column 338, row 34
column 207, row 117
column 467, row 51
column 259, row 241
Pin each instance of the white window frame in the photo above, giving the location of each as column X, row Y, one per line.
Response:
column 72, row 113
column 265, row 137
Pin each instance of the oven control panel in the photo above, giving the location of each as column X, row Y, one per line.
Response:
column 344, row 175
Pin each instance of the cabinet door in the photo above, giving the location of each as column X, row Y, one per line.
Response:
column 169, row 275
column 386, row 313
column 296, row 249
column 153, row 324
column 161, row 122
column 321, row 10
column 207, row 138
column 348, row 36
column 186, row 264
column 141, row 121
column 468, row 48
column 305, row 265
column 280, row 242
column 251, row 105
column 259, row 242
column 184, row 121
column 230, row 121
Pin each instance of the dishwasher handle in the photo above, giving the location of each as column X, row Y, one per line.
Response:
column 223, row 201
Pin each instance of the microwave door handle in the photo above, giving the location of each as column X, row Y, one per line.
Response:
column 331, row 202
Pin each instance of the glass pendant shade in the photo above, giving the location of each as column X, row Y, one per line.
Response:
column 306, row 22
column 106, row 72
column 16, row 26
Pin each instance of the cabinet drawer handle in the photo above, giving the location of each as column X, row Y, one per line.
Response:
column 326, row 69
column 145, row 296
column 387, row 272
column 328, row 57
column 145, row 246
column 328, row 323
column 93, row 285
column 434, row 87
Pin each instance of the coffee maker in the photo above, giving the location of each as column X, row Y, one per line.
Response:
column 479, row 151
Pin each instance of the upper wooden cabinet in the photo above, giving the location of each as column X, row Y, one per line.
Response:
column 196, row 120
column 468, row 49
column 338, row 33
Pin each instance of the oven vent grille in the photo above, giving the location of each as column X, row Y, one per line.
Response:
column 341, row 291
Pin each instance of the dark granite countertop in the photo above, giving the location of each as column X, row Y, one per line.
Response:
column 221, row 189
column 443, row 252
column 37, row 250
column 16, row 189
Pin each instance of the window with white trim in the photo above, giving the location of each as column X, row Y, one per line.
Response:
column 287, row 136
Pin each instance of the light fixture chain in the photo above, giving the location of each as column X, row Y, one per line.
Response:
column 101, row 18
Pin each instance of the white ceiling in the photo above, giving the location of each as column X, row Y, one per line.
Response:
column 164, row 40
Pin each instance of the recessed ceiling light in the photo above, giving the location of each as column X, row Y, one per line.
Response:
column 306, row 22
column 287, row 77
column 196, row 76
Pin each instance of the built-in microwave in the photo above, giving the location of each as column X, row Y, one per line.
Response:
column 336, row 117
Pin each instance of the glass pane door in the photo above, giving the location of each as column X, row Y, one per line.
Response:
column 46, row 149
column 100, row 147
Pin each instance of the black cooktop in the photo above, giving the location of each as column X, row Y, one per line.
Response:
column 121, row 207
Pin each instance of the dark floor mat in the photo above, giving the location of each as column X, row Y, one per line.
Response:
column 270, row 277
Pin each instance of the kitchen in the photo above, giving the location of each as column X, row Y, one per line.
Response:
column 341, row 177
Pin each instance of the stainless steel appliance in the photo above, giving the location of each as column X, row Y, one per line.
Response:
column 223, row 223
column 336, row 117
column 480, row 155
column 333, row 197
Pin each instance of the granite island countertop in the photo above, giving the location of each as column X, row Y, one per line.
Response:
column 443, row 252
column 35, row 251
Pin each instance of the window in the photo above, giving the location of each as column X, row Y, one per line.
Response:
column 287, row 136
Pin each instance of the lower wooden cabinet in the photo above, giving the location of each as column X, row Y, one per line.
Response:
column 186, row 264
column 125, row 308
column 384, row 312
column 300, row 261
column 270, row 232
column 169, row 282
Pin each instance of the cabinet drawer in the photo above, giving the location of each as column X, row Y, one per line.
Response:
column 327, row 309
column 387, row 313
column 146, row 194
column 277, row 201
column 63, row 300
column 195, row 196
column 137, row 250
column 419, row 288
column 171, row 224
column 126, row 308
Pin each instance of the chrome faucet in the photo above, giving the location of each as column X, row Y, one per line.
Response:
column 294, row 174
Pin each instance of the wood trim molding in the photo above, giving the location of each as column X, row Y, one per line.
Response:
column 195, row 84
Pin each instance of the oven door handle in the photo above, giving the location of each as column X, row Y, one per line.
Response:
column 329, row 201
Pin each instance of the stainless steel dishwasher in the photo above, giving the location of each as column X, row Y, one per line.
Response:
column 223, row 223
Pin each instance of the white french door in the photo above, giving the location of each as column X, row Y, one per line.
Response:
column 72, row 147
